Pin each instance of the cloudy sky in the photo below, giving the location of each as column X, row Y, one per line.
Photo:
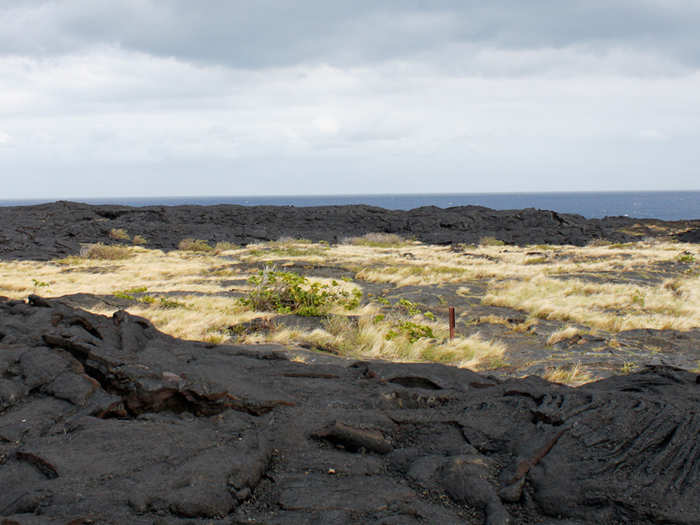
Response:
column 175, row 97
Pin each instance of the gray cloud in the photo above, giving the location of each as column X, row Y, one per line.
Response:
column 271, row 33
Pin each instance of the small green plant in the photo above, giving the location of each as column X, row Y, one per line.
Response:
column 412, row 331
column 288, row 292
column 378, row 318
column 119, row 234
column 627, row 367
column 382, row 300
column 638, row 299
column 129, row 294
column 169, row 304
column 429, row 315
column 408, row 306
column 194, row 245
column 40, row 284
column 686, row 257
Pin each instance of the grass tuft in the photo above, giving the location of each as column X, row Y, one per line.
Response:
column 377, row 240
column 105, row 252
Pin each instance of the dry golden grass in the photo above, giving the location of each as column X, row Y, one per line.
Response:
column 367, row 338
column 564, row 334
column 607, row 306
column 569, row 375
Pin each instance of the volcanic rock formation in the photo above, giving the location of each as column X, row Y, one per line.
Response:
column 53, row 230
column 107, row 420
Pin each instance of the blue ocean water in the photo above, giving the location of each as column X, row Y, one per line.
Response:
column 666, row 205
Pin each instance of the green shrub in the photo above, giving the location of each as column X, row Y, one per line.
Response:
column 105, row 251
column 411, row 330
column 686, row 257
column 288, row 292
column 194, row 245
column 40, row 284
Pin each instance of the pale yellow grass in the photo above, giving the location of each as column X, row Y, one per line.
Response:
column 607, row 306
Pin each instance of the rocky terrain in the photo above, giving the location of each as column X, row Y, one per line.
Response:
column 107, row 420
column 53, row 230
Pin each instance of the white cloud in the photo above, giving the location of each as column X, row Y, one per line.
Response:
column 394, row 108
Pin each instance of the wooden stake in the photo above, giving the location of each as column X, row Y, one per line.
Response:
column 452, row 323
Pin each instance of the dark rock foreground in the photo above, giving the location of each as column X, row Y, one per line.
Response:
column 53, row 230
column 107, row 420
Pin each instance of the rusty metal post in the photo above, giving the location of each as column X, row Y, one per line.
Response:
column 452, row 323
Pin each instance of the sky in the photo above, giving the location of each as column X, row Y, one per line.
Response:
column 180, row 98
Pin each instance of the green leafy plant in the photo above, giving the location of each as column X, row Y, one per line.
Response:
column 40, row 284
column 412, row 331
column 686, row 257
column 408, row 306
column 288, row 292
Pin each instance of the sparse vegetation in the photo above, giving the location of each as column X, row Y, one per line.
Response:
column 139, row 239
column 607, row 288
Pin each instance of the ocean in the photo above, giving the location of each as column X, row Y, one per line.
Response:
column 666, row 205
